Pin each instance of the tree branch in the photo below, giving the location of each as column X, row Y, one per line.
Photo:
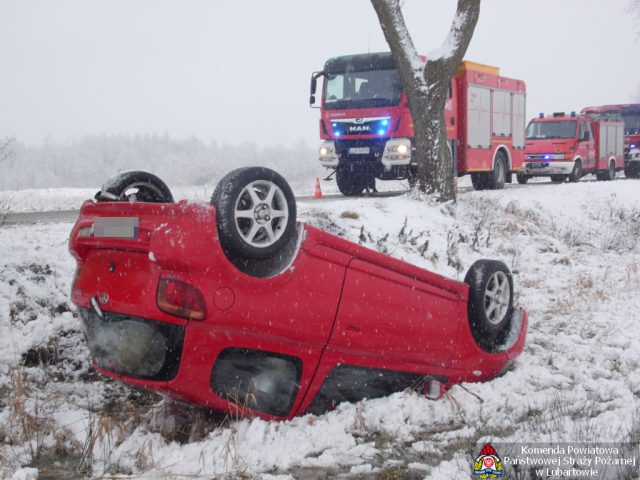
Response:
column 408, row 61
column 450, row 54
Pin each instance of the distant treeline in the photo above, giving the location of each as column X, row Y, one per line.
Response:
column 90, row 160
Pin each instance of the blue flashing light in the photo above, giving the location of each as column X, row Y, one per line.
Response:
column 334, row 125
column 547, row 157
column 381, row 131
column 385, row 122
column 632, row 146
column 337, row 133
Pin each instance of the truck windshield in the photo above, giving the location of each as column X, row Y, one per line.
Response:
column 631, row 123
column 544, row 130
column 373, row 88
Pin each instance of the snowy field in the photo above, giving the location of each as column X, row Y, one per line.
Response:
column 574, row 252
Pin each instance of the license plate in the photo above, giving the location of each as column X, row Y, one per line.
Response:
column 116, row 227
column 533, row 166
column 358, row 150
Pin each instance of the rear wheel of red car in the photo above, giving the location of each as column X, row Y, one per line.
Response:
column 135, row 186
column 255, row 212
column 490, row 305
column 522, row 178
column 558, row 178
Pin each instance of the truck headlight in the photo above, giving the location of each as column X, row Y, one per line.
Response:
column 397, row 151
column 327, row 154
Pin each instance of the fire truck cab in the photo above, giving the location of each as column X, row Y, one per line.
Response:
column 630, row 114
column 570, row 146
column 367, row 128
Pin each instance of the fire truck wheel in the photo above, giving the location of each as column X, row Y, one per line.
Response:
column 490, row 306
column 632, row 170
column 135, row 186
column 522, row 178
column 497, row 178
column 558, row 178
column 479, row 181
column 608, row 174
column 576, row 173
column 255, row 212
column 350, row 183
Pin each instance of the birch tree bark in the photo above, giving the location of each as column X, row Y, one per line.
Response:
column 426, row 84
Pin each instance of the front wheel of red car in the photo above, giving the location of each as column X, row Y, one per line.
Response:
column 255, row 212
column 490, row 305
column 135, row 186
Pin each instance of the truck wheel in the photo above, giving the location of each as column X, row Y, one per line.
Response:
column 479, row 181
column 522, row 178
column 558, row 178
column 608, row 174
column 255, row 212
column 349, row 183
column 498, row 176
column 576, row 173
column 632, row 170
column 135, row 186
column 490, row 306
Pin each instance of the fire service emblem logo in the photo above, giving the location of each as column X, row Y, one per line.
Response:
column 488, row 463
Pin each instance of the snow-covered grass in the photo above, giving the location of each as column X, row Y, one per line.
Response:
column 574, row 252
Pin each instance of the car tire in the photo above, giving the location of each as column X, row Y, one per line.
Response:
column 135, row 186
column 558, row 178
column 490, row 304
column 255, row 212
column 522, row 178
column 350, row 183
column 576, row 173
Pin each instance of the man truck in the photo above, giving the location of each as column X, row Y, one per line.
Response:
column 366, row 125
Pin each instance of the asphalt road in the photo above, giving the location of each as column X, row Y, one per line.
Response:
column 61, row 216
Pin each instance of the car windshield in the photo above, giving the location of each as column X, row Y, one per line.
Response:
column 544, row 130
column 631, row 123
column 365, row 89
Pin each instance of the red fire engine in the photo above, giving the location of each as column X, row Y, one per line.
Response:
column 367, row 128
column 630, row 113
column 570, row 146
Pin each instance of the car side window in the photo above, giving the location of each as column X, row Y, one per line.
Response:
column 256, row 379
column 349, row 383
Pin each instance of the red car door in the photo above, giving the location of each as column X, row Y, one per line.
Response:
column 390, row 331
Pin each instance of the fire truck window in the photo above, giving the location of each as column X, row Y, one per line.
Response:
column 365, row 89
column 335, row 88
column 589, row 131
column 450, row 90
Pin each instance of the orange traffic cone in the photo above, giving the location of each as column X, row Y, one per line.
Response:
column 318, row 192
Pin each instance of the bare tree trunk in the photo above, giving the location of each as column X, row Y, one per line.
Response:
column 5, row 151
column 426, row 84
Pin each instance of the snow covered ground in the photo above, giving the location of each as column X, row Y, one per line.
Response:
column 574, row 252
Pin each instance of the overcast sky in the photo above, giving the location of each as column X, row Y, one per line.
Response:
column 239, row 70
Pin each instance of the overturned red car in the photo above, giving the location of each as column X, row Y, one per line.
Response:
column 236, row 306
